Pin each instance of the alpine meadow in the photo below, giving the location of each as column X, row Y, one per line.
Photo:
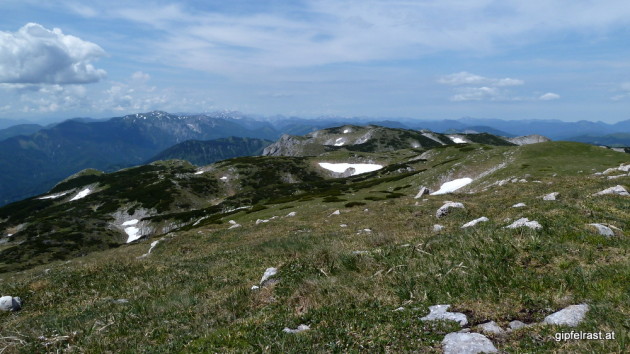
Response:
column 314, row 176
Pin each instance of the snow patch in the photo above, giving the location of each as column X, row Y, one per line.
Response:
column 199, row 172
column 339, row 142
column 82, row 194
column 358, row 167
column 130, row 222
column 54, row 196
column 347, row 130
column 453, row 185
column 133, row 233
column 457, row 140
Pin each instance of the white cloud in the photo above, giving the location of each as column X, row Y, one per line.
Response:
column 472, row 87
column 623, row 90
column 477, row 94
column 321, row 32
column 549, row 96
column 466, row 78
column 36, row 55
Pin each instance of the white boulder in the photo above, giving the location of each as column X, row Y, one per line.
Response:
column 551, row 196
column 10, row 303
column 444, row 209
column 603, row 230
column 491, row 327
column 570, row 316
column 475, row 222
column 618, row 190
column 440, row 313
column 467, row 343
column 524, row 222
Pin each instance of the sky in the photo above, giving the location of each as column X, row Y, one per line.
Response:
column 425, row 59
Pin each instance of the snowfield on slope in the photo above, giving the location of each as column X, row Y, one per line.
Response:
column 82, row 194
column 453, row 185
column 358, row 167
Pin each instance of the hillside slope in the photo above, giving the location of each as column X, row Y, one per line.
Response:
column 358, row 259
column 209, row 151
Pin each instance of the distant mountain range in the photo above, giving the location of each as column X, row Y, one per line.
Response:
column 32, row 164
column 33, row 158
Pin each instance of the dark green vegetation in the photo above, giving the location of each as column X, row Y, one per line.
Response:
column 30, row 165
column 206, row 152
column 193, row 292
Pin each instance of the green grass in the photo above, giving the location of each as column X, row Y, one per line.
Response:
column 192, row 294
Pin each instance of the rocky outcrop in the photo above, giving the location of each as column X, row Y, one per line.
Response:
column 440, row 313
column 445, row 209
column 287, row 145
column 528, row 139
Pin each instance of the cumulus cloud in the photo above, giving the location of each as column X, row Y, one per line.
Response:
column 36, row 55
column 472, row 87
column 549, row 96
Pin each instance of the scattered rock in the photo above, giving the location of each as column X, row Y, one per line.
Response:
column 551, row 196
column 336, row 212
column 364, row 231
column 343, row 225
column 234, row 226
column 437, row 228
column 10, row 303
column 491, row 327
column 615, row 177
column 603, row 230
column 399, row 309
column 475, row 222
column 516, row 324
column 618, row 190
column 467, row 343
column 360, row 252
column 269, row 272
column 524, row 222
column 570, row 316
column 519, row 205
column 423, row 191
column 444, row 209
column 291, row 214
column 261, row 221
column 121, row 301
column 439, row 312
column 255, row 287
column 301, row 328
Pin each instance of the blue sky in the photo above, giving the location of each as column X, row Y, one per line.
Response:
column 551, row 59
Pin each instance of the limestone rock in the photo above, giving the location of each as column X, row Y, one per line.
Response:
column 618, row 190
column 551, row 196
column 519, row 205
column 570, row 316
column 467, row 343
column 475, row 222
column 300, row 328
column 437, row 228
column 516, row 324
column 439, row 312
column 491, row 327
column 291, row 214
column 10, row 303
column 444, row 209
column 336, row 212
column 524, row 222
column 603, row 230
column 269, row 272
column 423, row 191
